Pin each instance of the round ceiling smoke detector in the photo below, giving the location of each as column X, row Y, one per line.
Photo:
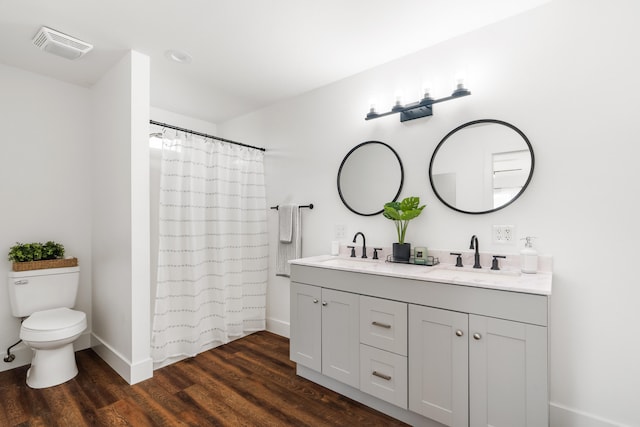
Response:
column 178, row 56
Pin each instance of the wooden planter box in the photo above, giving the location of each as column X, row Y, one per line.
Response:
column 47, row 263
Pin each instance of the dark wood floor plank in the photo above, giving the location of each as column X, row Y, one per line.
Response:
column 12, row 410
column 124, row 413
column 32, row 401
column 34, row 422
column 175, row 408
column 218, row 413
column 248, row 382
column 287, row 391
column 283, row 382
column 274, row 398
column 154, row 409
column 96, row 380
column 171, row 380
column 223, row 390
column 62, row 407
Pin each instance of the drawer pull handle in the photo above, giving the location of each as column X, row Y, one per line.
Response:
column 383, row 376
column 21, row 282
column 382, row 325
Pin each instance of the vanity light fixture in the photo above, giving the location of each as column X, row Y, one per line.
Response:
column 422, row 108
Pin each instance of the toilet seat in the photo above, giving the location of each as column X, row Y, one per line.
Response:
column 52, row 325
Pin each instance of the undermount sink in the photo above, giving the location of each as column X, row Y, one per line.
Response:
column 351, row 262
column 458, row 274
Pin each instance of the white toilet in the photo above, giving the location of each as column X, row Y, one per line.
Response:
column 46, row 297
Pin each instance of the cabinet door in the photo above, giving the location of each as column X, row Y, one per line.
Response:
column 305, row 344
column 508, row 373
column 340, row 336
column 438, row 365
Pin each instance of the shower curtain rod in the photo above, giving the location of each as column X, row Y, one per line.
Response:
column 165, row 125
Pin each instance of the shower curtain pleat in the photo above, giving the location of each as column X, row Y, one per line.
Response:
column 213, row 246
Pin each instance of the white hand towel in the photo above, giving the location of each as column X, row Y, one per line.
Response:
column 293, row 248
column 285, row 220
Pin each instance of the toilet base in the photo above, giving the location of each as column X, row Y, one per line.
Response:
column 51, row 367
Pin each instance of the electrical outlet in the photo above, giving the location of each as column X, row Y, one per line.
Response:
column 504, row 234
column 338, row 231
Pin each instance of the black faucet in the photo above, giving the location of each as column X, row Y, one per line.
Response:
column 474, row 245
column 364, row 243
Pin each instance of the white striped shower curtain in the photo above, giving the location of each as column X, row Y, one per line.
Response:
column 213, row 247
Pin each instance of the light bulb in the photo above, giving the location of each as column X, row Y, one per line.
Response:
column 398, row 105
column 426, row 90
column 459, row 79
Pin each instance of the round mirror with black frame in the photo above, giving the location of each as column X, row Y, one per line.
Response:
column 370, row 175
column 481, row 166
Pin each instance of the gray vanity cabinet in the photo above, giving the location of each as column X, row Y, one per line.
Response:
column 474, row 356
column 325, row 332
column 470, row 370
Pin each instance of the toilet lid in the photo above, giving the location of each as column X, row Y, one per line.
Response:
column 54, row 324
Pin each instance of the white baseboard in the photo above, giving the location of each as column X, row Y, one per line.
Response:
column 131, row 372
column 278, row 327
column 563, row 416
column 140, row 371
column 23, row 354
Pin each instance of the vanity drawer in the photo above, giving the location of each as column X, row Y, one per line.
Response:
column 384, row 375
column 383, row 324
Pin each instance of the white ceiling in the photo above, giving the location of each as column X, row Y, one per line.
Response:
column 246, row 53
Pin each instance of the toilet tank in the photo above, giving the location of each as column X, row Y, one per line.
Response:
column 37, row 290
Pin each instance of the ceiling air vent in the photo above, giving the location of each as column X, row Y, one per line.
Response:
column 60, row 44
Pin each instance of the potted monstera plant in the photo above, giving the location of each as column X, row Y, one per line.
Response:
column 401, row 213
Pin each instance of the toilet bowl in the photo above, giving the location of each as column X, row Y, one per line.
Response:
column 51, row 333
column 44, row 299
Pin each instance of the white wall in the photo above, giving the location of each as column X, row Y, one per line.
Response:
column 46, row 188
column 121, row 217
column 565, row 74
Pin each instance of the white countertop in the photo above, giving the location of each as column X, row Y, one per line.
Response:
column 504, row 280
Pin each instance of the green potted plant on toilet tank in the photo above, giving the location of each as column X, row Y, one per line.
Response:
column 36, row 256
column 401, row 213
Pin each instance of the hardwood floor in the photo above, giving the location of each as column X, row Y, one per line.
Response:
column 249, row 382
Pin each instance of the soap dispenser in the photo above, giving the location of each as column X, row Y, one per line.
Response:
column 529, row 256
